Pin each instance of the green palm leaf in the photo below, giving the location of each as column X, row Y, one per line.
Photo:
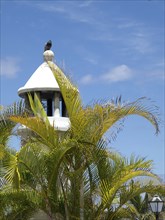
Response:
column 46, row 133
column 12, row 171
column 37, row 108
column 69, row 92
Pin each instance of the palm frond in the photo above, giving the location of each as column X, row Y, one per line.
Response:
column 56, row 157
column 110, row 186
column 48, row 135
column 12, row 171
column 69, row 92
column 18, row 205
column 37, row 108
column 17, row 108
column 100, row 118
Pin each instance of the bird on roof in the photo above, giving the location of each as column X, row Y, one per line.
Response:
column 48, row 45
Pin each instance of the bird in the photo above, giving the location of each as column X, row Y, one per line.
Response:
column 48, row 45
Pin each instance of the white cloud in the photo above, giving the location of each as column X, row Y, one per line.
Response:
column 10, row 66
column 88, row 79
column 119, row 73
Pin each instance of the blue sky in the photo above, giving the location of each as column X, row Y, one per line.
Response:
column 109, row 48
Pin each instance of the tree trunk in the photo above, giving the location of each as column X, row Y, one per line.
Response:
column 82, row 200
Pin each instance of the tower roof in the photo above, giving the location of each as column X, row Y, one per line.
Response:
column 42, row 79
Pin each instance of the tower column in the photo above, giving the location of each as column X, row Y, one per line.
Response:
column 27, row 105
column 57, row 104
column 49, row 107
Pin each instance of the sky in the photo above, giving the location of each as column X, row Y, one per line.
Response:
column 109, row 48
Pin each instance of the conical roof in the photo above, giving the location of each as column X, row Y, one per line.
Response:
column 42, row 79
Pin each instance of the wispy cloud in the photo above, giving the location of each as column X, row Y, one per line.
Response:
column 105, row 36
column 117, row 74
column 51, row 7
column 160, row 64
column 70, row 10
column 157, row 74
column 10, row 66
column 87, row 79
column 85, row 4
column 141, row 42
column 131, row 37
column 127, row 24
column 91, row 60
column 153, row 72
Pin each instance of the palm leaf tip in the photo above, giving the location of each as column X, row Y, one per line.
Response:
column 145, row 108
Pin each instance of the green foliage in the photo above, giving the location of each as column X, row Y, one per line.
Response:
column 72, row 174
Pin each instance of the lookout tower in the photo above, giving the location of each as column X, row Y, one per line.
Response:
column 43, row 83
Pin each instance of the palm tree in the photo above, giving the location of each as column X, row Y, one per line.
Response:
column 72, row 175
column 141, row 203
column 124, row 185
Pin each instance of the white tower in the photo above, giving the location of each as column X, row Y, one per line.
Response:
column 43, row 83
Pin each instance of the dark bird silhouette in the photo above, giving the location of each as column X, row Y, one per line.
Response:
column 48, row 45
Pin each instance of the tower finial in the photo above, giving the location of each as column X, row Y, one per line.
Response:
column 48, row 45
